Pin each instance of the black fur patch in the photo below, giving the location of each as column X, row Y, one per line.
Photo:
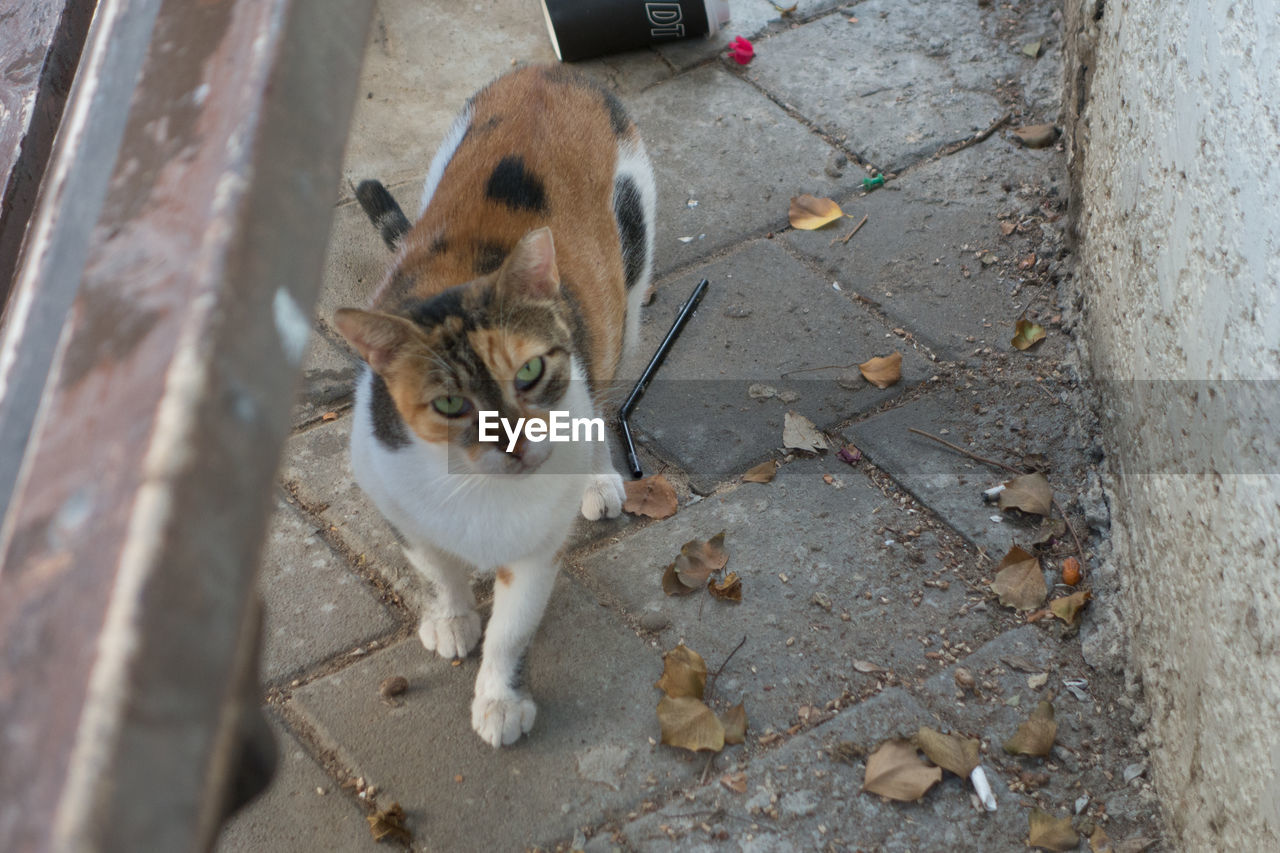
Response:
column 432, row 312
column 632, row 228
column 617, row 113
column 489, row 256
column 511, row 184
column 439, row 245
column 383, row 212
column 388, row 427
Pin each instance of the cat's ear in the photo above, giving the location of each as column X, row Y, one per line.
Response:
column 530, row 269
column 376, row 336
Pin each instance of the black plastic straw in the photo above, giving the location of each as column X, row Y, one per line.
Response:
column 633, row 461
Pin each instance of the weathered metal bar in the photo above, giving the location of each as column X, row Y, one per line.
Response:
column 57, row 237
column 129, row 548
column 40, row 43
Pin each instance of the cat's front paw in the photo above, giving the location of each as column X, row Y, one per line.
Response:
column 450, row 636
column 502, row 719
column 603, row 497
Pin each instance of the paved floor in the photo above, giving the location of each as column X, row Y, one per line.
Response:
column 865, row 584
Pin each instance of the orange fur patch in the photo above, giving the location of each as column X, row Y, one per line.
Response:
column 504, row 575
column 525, row 114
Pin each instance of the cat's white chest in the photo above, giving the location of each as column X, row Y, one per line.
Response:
column 488, row 521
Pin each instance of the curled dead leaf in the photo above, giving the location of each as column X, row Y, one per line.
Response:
column 809, row 213
column 671, row 583
column 894, row 771
column 1068, row 608
column 1051, row 833
column 762, row 473
column 1026, row 334
column 654, row 497
column 736, row 782
column 1036, row 735
column 389, row 823
column 950, row 752
column 1036, row 135
column 1019, row 582
column 734, row 721
column 799, row 433
column 689, row 724
column 1029, row 493
column 684, row 673
column 697, row 560
column 882, row 371
column 729, row 589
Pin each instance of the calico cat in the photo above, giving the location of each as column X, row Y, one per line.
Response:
column 517, row 291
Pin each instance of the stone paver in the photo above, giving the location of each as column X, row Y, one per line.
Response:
column 932, row 256
column 302, row 810
column 827, row 570
column 315, row 606
column 912, row 76
column 735, row 153
column 589, row 750
column 763, row 314
column 1001, row 421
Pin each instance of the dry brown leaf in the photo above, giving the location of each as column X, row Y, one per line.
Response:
column 809, row 212
column 762, row 473
column 799, row 433
column 1026, row 334
column 1051, row 833
column 1099, row 842
column 734, row 721
column 1029, row 493
column 736, row 782
column 950, row 752
column 684, row 673
column 882, row 371
column 1036, row 135
column 697, row 560
column 1068, row 608
column 1019, row 581
column 389, row 823
column 1036, row 735
column 894, row 771
column 671, row 583
column 729, row 589
column 654, row 497
column 689, row 724
column 1007, row 228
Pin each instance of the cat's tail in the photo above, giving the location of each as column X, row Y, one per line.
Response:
column 383, row 212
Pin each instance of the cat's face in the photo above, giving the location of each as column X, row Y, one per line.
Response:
column 498, row 345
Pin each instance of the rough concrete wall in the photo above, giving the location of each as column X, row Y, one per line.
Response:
column 1177, row 217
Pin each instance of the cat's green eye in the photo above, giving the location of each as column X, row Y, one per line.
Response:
column 529, row 374
column 451, row 405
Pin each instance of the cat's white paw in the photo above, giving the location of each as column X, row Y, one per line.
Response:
column 450, row 636
column 603, row 497
column 501, row 720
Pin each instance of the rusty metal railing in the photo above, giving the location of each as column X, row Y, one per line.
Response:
column 162, row 303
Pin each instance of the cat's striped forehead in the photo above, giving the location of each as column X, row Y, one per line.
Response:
column 471, row 333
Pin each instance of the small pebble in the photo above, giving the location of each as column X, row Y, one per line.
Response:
column 652, row 621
